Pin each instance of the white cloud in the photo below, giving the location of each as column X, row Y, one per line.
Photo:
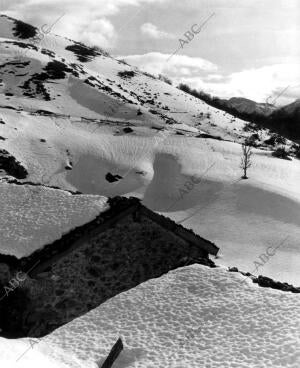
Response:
column 100, row 32
column 257, row 84
column 84, row 21
column 152, row 31
column 177, row 66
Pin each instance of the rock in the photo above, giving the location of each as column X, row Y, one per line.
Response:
column 127, row 130
column 112, row 178
column 265, row 281
column 233, row 269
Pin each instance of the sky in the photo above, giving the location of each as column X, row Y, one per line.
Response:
column 228, row 48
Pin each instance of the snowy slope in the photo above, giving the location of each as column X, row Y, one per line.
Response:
column 63, row 116
column 192, row 317
column 22, row 353
column 93, row 88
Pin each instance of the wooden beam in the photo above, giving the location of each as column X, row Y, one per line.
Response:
column 113, row 355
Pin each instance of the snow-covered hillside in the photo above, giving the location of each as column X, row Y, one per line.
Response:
column 81, row 120
column 192, row 317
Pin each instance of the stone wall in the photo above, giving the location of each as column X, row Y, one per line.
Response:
column 130, row 252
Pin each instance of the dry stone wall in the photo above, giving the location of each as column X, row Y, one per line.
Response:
column 130, row 252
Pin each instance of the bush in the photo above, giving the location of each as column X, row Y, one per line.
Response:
column 149, row 75
column 126, row 74
column 198, row 94
column 250, row 127
column 122, row 61
column 280, row 152
column 83, row 53
column 275, row 139
column 101, row 51
column 252, row 140
column 165, row 79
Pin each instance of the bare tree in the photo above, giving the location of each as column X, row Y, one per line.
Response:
column 246, row 158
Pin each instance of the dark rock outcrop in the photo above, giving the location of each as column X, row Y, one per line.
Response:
column 11, row 165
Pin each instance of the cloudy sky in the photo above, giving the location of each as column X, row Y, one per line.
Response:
column 247, row 48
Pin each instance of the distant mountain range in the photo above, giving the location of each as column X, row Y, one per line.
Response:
column 284, row 120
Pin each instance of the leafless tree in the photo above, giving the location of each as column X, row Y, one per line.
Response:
column 246, row 158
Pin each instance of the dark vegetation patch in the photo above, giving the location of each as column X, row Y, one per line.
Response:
column 253, row 141
column 23, row 30
column 11, row 165
column 250, row 127
column 85, row 53
column 78, row 68
column 48, row 53
column 149, row 75
column 165, row 79
column 126, row 74
column 88, row 81
column 53, row 70
column 275, row 139
column 57, row 70
column 281, row 152
column 21, row 45
column 15, row 64
column 121, row 61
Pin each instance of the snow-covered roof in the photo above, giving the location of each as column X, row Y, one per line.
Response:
column 189, row 318
column 32, row 216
